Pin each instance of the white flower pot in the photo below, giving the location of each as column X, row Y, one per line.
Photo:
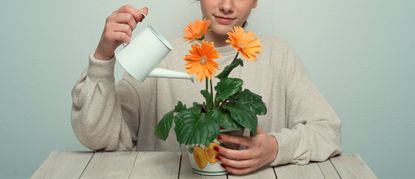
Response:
column 203, row 158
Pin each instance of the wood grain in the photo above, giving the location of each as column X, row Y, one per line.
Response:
column 328, row 170
column 63, row 165
column 156, row 165
column 310, row 170
column 110, row 165
column 265, row 173
column 159, row 165
column 352, row 166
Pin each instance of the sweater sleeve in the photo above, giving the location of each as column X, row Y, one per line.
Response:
column 104, row 115
column 314, row 129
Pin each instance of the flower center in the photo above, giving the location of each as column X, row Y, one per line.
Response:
column 203, row 60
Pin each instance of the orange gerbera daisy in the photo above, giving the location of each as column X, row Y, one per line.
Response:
column 196, row 30
column 245, row 43
column 201, row 60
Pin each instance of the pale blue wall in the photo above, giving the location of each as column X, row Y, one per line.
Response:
column 359, row 53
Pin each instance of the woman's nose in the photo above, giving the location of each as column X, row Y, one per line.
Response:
column 226, row 6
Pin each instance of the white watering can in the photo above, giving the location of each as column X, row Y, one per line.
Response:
column 141, row 56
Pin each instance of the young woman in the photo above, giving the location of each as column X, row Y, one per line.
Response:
column 300, row 125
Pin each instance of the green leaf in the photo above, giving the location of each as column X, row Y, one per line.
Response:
column 164, row 126
column 252, row 100
column 208, row 98
column 195, row 128
column 224, row 120
column 228, row 87
column 179, row 106
column 196, row 108
column 228, row 69
column 242, row 115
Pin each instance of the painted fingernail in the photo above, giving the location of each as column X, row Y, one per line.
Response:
column 216, row 148
column 217, row 157
column 219, row 137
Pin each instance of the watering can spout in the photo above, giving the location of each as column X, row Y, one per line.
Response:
column 165, row 73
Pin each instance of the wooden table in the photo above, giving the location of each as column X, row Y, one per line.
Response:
column 159, row 165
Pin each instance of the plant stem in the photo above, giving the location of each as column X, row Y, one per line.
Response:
column 236, row 56
column 228, row 69
column 211, row 91
column 207, row 89
column 207, row 84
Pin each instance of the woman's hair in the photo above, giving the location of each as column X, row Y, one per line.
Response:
column 245, row 24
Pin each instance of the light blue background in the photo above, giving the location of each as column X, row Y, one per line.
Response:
column 360, row 53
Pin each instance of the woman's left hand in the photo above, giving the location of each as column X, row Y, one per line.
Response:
column 260, row 151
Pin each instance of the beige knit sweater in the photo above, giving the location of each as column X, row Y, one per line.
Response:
column 122, row 116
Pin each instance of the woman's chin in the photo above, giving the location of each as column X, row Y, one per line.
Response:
column 221, row 29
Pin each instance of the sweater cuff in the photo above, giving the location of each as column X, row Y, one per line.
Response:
column 283, row 155
column 101, row 70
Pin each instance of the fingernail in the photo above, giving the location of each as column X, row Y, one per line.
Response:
column 217, row 157
column 219, row 137
column 216, row 148
column 145, row 9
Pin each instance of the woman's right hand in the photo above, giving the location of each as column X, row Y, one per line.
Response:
column 118, row 29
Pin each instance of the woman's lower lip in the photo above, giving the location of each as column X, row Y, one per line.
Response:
column 223, row 21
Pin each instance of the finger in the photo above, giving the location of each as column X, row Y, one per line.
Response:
column 124, row 18
column 242, row 140
column 122, row 28
column 239, row 171
column 119, row 36
column 236, row 154
column 136, row 13
column 112, row 35
column 259, row 130
column 238, row 163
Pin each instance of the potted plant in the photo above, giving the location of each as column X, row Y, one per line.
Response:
column 229, row 107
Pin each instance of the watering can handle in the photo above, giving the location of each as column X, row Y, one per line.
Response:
column 146, row 23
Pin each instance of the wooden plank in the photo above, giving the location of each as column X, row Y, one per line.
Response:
column 63, row 165
column 265, row 173
column 352, row 166
column 110, row 165
column 187, row 173
column 156, row 165
column 310, row 170
column 328, row 170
